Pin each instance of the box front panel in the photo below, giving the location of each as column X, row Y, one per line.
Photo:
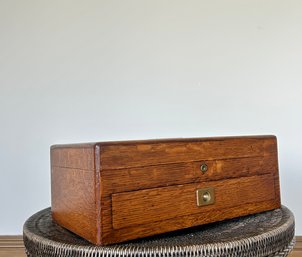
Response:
column 151, row 188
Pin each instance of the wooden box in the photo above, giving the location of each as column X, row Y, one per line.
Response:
column 111, row 192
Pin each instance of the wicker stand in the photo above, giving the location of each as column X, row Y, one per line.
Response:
column 266, row 234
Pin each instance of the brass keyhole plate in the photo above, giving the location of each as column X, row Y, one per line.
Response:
column 203, row 168
column 205, row 196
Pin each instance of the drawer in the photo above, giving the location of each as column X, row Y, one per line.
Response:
column 152, row 205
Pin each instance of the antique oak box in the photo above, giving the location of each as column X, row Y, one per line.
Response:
column 110, row 192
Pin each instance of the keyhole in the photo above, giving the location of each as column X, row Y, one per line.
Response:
column 203, row 167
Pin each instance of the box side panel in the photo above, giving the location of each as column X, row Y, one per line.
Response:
column 78, row 157
column 73, row 194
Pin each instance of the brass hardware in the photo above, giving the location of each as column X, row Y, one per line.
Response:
column 203, row 167
column 205, row 196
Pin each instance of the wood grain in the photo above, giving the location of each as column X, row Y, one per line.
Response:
column 152, row 205
column 183, row 173
column 74, row 201
column 109, row 192
column 77, row 157
column 12, row 246
column 160, row 152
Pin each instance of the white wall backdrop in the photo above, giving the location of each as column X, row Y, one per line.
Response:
column 76, row 71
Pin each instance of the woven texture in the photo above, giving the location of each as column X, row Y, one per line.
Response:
column 266, row 234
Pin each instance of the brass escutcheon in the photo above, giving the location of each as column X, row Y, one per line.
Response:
column 205, row 196
column 203, row 167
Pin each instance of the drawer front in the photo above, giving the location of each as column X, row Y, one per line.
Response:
column 122, row 180
column 152, row 205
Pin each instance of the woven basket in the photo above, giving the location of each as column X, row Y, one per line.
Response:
column 266, row 234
